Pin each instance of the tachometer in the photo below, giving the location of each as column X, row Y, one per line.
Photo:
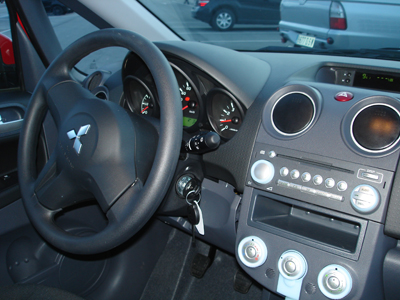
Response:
column 224, row 113
column 139, row 98
column 189, row 99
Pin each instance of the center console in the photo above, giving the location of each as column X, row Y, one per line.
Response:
column 317, row 192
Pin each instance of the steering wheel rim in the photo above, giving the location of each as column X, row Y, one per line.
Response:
column 129, row 210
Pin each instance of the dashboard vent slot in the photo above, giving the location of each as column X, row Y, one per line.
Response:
column 376, row 128
column 293, row 113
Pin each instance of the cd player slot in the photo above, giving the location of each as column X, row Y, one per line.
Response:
column 334, row 232
column 315, row 163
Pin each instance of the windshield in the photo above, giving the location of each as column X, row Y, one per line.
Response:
column 348, row 28
column 266, row 24
column 235, row 24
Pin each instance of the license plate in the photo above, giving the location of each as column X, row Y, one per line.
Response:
column 306, row 41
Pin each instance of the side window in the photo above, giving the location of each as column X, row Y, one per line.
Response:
column 70, row 26
column 8, row 72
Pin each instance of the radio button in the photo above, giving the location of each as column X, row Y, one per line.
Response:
column 342, row 186
column 294, row 174
column 306, row 177
column 317, row 179
column 329, row 183
column 284, row 172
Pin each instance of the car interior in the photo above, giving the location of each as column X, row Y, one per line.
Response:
column 266, row 175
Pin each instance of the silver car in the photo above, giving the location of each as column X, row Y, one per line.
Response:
column 341, row 24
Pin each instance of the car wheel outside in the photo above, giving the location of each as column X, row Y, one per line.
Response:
column 223, row 20
column 57, row 10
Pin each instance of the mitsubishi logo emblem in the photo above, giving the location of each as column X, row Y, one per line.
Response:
column 81, row 132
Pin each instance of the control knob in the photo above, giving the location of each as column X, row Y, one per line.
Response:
column 335, row 282
column 292, row 265
column 364, row 198
column 262, row 171
column 252, row 251
column 293, row 268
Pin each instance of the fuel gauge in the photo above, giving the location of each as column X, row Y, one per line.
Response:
column 224, row 113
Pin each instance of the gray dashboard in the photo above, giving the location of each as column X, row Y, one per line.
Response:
column 301, row 196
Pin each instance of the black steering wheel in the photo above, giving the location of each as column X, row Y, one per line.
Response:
column 102, row 151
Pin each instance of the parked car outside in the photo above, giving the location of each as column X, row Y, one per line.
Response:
column 55, row 7
column 350, row 24
column 224, row 14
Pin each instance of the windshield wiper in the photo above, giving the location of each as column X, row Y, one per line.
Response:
column 384, row 53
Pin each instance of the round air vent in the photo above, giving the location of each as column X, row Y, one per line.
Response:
column 101, row 92
column 376, row 128
column 293, row 113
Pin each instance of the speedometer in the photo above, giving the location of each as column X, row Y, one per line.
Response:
column 189, row 99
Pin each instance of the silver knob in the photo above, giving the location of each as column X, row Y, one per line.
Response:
column 292, row 265
column 262, row 171
column 335, row 282
column 364, row 198
column 252, row 251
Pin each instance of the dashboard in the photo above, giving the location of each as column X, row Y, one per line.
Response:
column 303, row 188
column 206, row 104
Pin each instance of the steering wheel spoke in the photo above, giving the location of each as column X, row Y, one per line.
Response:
column 60, row 192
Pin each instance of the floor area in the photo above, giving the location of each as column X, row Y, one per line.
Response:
column 217, row 282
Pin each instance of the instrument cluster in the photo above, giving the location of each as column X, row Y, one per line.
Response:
column 206, row 106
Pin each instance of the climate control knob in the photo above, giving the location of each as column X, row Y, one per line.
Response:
column 335, row 282
column 252, row 251
column 292, row 265
column 262, row 171
column 293, row 268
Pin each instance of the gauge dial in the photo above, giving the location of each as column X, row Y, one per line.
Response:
column 224, row 113
column 189, row 99
column 139, row 98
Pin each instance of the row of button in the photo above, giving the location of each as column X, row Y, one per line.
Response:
column 317, row 179
column 308, row 190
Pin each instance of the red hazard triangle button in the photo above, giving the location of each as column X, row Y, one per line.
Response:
column 344, row 96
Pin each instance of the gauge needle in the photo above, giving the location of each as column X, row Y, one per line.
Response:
column 225, row 121
column 183, row 108
column 144, row 109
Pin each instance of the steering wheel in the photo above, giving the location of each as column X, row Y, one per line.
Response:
column 102, row 151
